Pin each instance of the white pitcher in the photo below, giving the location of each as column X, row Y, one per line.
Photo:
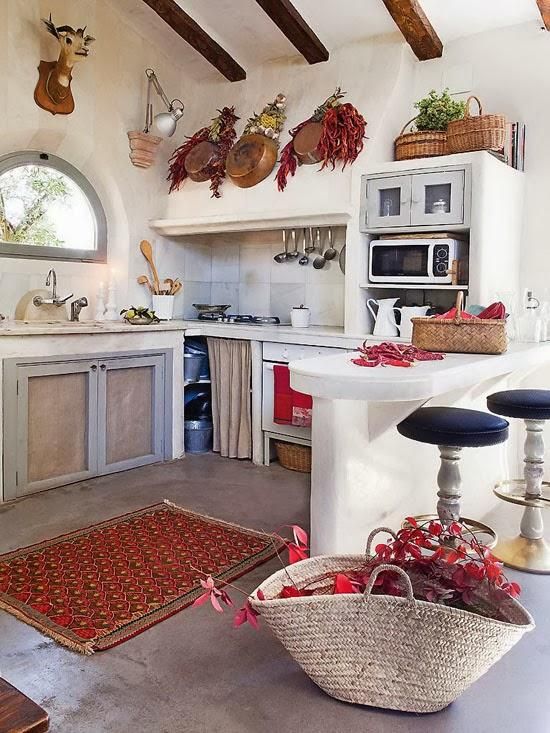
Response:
column 408, row 312
column 384, row 318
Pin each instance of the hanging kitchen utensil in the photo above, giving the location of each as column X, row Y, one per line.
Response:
column 330, row 252
column 342, row 260
column 333, row 133
column 203, row 156
column 147, row 252
column 304, row 259
column 254, row 155
column 319, row 262
column 283, row 256
column 311, row 247
column 293, row 254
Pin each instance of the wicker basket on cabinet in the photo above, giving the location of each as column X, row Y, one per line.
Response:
column 476, row 132
column 420, row 144
column 294, row 457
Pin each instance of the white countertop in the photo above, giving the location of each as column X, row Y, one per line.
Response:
column 314, row 335
column 336, row 377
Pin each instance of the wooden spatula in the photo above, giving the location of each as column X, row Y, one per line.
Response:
column 147, row 252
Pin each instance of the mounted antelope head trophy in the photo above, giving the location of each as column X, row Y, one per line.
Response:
column 53, row 90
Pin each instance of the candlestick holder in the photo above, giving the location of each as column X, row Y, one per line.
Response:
column 111, row 312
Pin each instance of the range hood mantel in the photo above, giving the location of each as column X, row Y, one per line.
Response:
column 255, row 223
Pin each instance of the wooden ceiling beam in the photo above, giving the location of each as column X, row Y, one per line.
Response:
column 416, row 28
column 290, row 22
column 190, row 31
column 544, row 9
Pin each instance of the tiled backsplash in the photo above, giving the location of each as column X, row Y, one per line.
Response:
column 240, row 271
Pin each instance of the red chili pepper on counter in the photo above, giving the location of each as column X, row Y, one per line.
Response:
column 392, row 354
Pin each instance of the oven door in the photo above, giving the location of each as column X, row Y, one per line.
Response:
column 395, row 262
column 268, row 424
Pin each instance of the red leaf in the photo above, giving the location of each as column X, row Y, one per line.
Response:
column 296, row 553
column 201, row 600
column 300, row 535
column 215, row 603
column 434, row 528
column 455, row 529
column 342, row 584
column 246, row 615
column 412, row 521
column 260, row 595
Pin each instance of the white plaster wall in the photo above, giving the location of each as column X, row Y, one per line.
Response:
column 508, row 70
column 109, row 89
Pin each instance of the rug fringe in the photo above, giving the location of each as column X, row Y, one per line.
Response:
column 256, row 532
column 75, row 646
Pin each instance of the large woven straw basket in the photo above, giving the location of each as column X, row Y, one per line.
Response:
column 420, row 144
column 460, row 336
column 476, row 132
column 385, row 651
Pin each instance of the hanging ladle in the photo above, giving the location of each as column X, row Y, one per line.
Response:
column 319, row 262
column 330, row 253
column 283, row 256
column 304, row 259
column 293, row 254
column 311, row 247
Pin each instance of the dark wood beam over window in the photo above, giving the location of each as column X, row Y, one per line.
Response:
column 290, row 22
column 416, row 28
column 544, row 7
column 195, row 36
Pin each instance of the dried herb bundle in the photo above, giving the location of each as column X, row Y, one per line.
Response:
column 341, row 139
column 222, row 133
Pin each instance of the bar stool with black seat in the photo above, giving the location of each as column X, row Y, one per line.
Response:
column 529, row 550
column 452, row 429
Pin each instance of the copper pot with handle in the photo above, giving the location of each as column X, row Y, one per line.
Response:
column 200, row 161
column 306, row 143
column 251, row 159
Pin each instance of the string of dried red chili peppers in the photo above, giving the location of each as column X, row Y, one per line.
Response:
column 222, row 133
column 341, row 139
column 390, row 354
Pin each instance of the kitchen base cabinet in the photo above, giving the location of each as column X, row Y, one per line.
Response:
column 72, row 419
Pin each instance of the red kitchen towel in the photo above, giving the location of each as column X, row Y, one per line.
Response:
column 289, row 407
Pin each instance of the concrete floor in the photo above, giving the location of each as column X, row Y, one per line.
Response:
column 193, row 672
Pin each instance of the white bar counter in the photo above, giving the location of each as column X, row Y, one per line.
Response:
column 364, row 474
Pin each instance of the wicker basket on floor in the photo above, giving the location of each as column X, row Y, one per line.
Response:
column 459, row 335
column 476, row 132
column 420, row 144
column 294, row 457
column 385, row 651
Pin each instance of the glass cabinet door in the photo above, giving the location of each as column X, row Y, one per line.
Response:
column 437, row 198
column 388, row 202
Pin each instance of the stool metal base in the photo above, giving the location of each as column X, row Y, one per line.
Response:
column 482, row 532
column 521, row 553
column 515, row 491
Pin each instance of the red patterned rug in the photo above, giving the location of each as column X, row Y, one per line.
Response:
column 99, row 586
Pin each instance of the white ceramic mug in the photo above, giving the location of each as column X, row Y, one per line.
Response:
column 408, row 312
column 163, row 305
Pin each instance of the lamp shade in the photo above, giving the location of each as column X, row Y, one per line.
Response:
column 166, row 122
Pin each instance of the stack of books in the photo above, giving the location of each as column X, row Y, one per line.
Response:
column 513, row 152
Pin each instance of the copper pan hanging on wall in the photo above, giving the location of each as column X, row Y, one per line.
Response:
column 254, row 155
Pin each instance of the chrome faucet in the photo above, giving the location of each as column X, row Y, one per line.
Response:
column 76, row 307
column 51, row 279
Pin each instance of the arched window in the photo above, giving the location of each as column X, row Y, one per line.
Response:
column 49, row 210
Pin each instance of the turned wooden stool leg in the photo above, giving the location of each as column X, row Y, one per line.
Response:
column 450, row 484
column 532, row 525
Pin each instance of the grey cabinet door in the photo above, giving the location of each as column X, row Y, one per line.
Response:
column 438, row 198
column 388, row 201
column 131, row 412
column 50, row 425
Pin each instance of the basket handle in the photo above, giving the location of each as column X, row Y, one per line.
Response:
column 406, row 125
column 403, row 577
column 467, row 110
column 459, row 305
column 373, row 534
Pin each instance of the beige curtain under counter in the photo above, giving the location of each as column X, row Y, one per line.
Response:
column 230, row 373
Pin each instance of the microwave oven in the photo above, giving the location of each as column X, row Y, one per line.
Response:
column 418, row 261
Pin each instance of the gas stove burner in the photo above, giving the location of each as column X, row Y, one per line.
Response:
column 239, row 318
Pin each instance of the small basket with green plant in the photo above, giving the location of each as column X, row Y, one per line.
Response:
column 429, row 139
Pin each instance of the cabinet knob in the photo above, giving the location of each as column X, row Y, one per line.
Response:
column 102, row 367
column 94, row 367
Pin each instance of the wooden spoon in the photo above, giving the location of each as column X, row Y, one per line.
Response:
column 168, row 281
column 177, row 287
column 147, row 252
column 144, row 280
